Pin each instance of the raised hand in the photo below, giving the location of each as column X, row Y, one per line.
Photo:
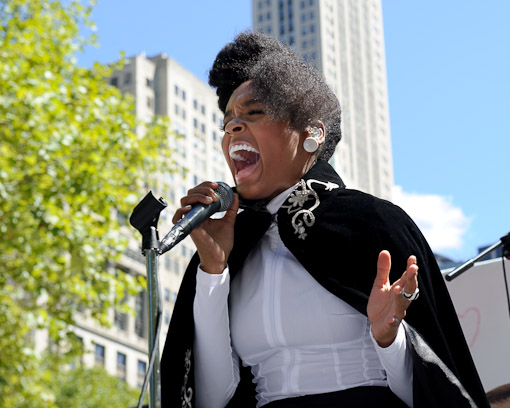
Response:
column 387, row 304
column 214, row 238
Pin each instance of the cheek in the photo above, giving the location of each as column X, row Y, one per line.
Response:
column 224, row 147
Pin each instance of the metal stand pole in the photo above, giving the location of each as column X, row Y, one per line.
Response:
column 505, row 241
column 155, row 310
column 145, row 218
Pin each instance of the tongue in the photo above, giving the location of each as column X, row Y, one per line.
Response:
column 250, row 159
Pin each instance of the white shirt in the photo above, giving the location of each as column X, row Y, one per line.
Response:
column 297, row 337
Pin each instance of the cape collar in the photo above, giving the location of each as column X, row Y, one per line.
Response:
column 320, row 174
column 306, row 197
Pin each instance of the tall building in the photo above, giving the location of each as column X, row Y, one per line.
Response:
column 160, row 86
column 344, row 40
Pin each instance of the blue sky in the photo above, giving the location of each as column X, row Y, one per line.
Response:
column 448, row 67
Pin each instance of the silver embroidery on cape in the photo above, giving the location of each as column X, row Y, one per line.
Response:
column 304, row 217
column 186, row 392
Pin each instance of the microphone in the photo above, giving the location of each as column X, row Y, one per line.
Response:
column 197, row 215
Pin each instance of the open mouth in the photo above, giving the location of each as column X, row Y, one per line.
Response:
column 244, row 156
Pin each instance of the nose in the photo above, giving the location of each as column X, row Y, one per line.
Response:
column 236, row 125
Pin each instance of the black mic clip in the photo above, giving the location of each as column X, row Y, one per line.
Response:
column 145, row 217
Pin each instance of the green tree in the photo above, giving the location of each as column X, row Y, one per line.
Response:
column 93, row 388
column 69, row 160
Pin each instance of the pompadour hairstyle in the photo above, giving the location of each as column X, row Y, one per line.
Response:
column 291, row 89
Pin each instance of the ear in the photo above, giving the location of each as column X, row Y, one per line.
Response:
column 322, row 129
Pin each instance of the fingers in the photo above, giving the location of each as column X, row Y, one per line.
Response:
column 383, row 268
column 410, row 284
column 387, row 307
column 231, row 213
column 203, row 193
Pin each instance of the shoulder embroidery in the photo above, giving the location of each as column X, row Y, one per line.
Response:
column 186, row 392
column 304, row 217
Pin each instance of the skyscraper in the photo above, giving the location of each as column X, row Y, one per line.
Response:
column 344, row 40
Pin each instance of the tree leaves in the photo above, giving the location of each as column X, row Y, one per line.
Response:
column 69, row 161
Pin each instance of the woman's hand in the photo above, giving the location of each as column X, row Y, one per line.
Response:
column 386, row 305
column 214, row 238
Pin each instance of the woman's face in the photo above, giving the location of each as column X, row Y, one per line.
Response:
column 265, row 156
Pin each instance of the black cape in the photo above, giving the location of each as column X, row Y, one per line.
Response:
column 337, row 234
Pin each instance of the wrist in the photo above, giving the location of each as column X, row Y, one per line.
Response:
column 384, row 340
column 385, row 343
column 213, row 268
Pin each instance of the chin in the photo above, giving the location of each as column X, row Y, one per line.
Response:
column 248, row 192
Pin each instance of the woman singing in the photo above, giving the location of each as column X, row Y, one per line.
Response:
column 305, row 294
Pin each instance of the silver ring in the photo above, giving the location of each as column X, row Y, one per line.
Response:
column 410, row 296
column 396, row 320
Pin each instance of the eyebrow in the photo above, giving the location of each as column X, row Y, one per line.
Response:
column 249, row 102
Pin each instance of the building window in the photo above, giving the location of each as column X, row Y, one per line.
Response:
column 141, row 370
column 195, row 123
column 195, row 104
column 167, row 291
column 183, row 95
column 149, row 101
column 148, row 82
column 121, row 366
column 167, row 317
column 140, row 315
column 114, row 81
column 120, row 320
column 127, row 78
column 99, row 354
column 176, row 90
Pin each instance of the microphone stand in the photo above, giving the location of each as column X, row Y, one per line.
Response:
column 145, row 219
column 504, row 241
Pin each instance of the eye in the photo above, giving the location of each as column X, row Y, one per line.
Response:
column 256, row 112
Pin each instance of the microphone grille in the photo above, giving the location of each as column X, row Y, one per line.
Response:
column 226, row 196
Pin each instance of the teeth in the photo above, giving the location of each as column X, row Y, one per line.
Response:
column 233, row 149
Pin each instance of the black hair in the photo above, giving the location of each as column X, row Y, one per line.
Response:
column 291, row 89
